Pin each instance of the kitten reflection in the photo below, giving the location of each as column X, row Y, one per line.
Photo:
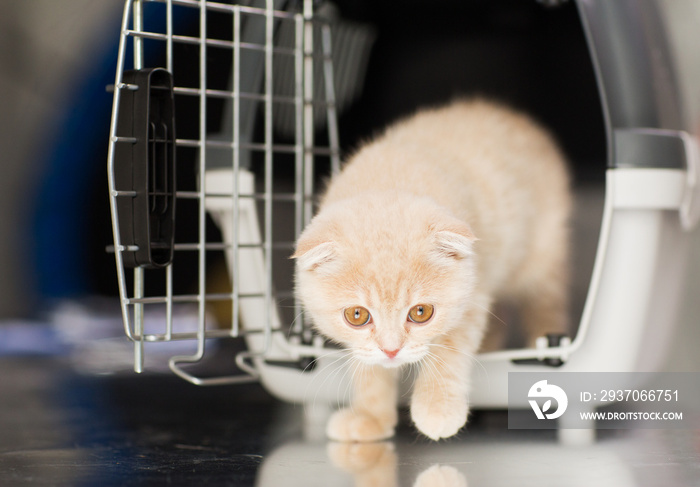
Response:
column 376, row 465
column 440, row 476
column 371, row 464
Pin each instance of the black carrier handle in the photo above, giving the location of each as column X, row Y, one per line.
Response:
column 145, row 169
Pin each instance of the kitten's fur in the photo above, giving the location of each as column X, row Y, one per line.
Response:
column 377, row 464
column 454, row 207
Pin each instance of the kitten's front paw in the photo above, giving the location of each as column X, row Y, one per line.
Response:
column 349, row 425
column 439, row 418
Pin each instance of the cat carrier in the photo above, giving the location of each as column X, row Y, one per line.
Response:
column 224, row 127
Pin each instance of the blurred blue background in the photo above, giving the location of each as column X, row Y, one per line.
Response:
column 55, row 61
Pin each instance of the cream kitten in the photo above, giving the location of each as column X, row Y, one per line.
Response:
column 423, row 229
column 377, row 464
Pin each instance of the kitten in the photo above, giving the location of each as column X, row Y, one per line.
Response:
column 423, row 229
column 373, row 464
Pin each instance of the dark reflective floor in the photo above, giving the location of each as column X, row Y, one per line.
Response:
column 61, row 428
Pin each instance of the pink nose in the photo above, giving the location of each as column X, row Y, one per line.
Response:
column 391, row 353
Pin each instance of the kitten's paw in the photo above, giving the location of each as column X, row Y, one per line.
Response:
column 441, row 475
column 438, row 419
column 361, row 457
column 349, row 425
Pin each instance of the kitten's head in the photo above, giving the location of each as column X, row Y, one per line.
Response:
column 385, row 274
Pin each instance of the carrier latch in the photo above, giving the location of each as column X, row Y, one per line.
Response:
column 550, row 340
column 144, row 168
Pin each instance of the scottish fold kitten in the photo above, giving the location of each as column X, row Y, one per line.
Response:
column 377, row 464
column 421, row 232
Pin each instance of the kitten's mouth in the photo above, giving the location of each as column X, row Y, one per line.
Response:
column 401, row 361
column 391, row 363
column 390, row 360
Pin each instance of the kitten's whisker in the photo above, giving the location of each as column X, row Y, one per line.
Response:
column 362, row 369
column 342, row 355
column 352, row 369
column 408, row 375
column 318, row 359
column 488, row 310
column 434, row 372
column 481, row 365
column 470, row 356
column 345, row 369
column 314, row 378
column 291, row 326
column 349, row 367
column 450, row 349
column 438, row 360
column 439, row 379
column 426, row 369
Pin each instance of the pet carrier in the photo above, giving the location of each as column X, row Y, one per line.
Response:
column 276, row 113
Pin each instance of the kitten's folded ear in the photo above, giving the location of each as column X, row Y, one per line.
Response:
column 314, row 248
column 310, row 255
column 454, row 239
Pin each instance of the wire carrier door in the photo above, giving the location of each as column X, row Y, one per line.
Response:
column 218, row 119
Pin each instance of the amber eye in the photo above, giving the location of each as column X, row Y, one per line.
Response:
column 421, row 313
column 357, row 316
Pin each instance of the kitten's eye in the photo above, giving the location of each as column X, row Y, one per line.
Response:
column 357, row 316
column 421, row 313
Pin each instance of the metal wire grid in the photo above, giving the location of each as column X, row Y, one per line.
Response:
column 133, row 293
